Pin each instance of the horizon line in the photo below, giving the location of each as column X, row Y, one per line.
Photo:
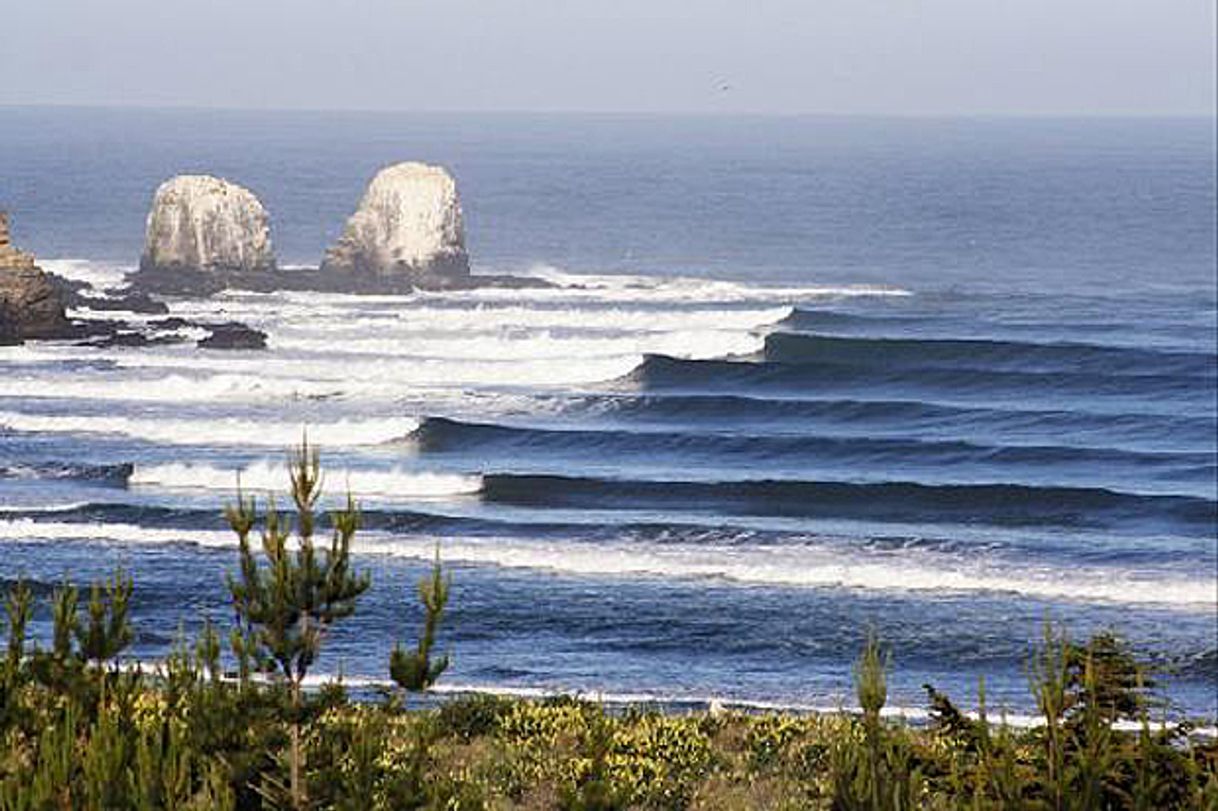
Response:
column 1210, row 115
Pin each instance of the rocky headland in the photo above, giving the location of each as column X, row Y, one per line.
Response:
column 31, row 305
column 35, row 304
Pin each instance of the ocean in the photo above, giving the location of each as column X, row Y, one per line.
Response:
column 797, row 379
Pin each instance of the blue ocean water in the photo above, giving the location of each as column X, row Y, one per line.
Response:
column 947, row 379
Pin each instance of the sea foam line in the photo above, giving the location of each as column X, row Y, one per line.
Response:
column 485, row 317
column 653, row 289
column 822, row 566
column 529, row 346
column 808, row 566
column 229, row 431
column 25, row 529
column 271, row 476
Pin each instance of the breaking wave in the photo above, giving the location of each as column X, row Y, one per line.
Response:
column 231, row 431
column 816, row 566
column 808, row 565
column 272, row 476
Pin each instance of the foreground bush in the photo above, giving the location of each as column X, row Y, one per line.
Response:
column 192, row 741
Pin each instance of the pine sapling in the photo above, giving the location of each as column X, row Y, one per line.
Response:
column 18, row 608
column 871, row 687
column 1050, row 677
column 415, row 671
column 287, row 600
column 107, row 631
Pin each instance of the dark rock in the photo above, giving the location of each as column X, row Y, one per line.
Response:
column 173, row 322
column 314, row 279
column 133, row 301
column 135, row 339
column 173, row 282
column 233, row 336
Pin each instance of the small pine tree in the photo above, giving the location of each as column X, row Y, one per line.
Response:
column 18, row 609
column 1050, row 680
column 415, row 671
column 107, row 631
column 287, row 602
column 871, row 687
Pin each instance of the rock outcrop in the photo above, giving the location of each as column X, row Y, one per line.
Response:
column 232, row 335
column 201, row 228
column 31, row 306
column 407, row 229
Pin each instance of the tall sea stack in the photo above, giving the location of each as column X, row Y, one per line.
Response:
column 408, row 229
column 200, row 230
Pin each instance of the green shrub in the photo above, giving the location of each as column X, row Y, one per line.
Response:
column 472, row 716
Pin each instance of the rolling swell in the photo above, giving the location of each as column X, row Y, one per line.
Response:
column 663, row 372
column 993, row 504
column 1106, row 328
column 846, row 415
column 101, row 520
column 928, row 353
column 156, row 517
column 440, row 435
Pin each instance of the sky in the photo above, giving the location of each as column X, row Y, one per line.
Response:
column 898, row 57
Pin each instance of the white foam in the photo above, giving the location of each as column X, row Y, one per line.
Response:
column 822, row 566
column 655, row 289
column 24, row 529
column 130, row 385
column 788, row 566
column 483, row 318
column 43, row 507
column 387, row 375
column 102, row 275
column 272, row 476
column 532, row 345
column 386, row 347
column 229, row 431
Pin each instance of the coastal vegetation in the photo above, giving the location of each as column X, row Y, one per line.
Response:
column 225, row 722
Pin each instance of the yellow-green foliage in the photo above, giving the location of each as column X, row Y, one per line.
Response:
column 541, row 742
column 658, row 760
column 141, row 751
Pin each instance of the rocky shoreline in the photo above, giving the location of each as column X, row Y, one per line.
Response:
column 35, row 305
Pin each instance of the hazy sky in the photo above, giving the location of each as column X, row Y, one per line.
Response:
column 836, row 56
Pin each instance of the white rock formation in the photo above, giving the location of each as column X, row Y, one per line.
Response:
column 407, row 224
column 200, row 222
